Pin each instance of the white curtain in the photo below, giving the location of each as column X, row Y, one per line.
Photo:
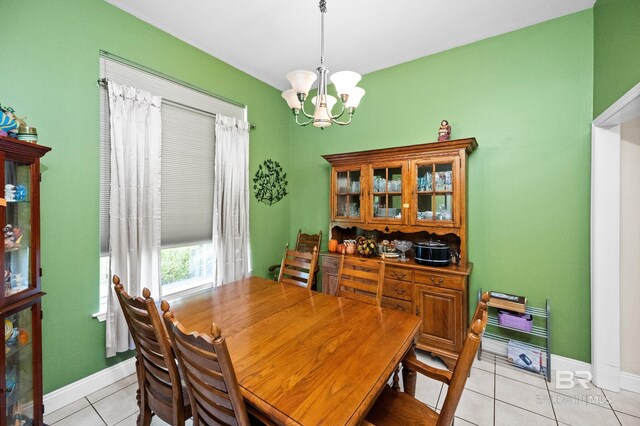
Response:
column 134, row 222
column 231, row 200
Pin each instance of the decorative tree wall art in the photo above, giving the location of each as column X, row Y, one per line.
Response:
column 270, row 182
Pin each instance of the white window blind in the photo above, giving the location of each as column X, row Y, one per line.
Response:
column 188, row 122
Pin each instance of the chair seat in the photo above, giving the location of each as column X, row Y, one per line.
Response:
column 398, row 408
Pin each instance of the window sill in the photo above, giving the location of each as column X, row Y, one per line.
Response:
column 100, row 316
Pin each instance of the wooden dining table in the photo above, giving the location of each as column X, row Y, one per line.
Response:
column 302, row 357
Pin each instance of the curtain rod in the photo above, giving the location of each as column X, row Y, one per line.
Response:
column 135, row 65
column 104, row 82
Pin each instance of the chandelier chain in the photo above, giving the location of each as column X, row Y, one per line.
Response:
column 323, row 6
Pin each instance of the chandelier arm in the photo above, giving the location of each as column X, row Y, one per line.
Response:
column 306, row 114
column 333, row 117
column 342, row 123
column 304, row 123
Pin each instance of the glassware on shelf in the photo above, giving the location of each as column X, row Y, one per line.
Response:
column 403, row 246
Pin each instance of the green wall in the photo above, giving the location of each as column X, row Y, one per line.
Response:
column 527, row 98
column 48, row 72
column 616, row 51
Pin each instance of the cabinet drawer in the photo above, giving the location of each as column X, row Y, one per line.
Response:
column 398, row 273
column 440, row 280
column 397, row 289
column 397, row 304
column 329, row 262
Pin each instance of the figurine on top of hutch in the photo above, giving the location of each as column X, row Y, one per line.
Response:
column 20, row 297
column 413, row 193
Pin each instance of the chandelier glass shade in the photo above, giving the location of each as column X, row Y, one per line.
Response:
column 344, row 82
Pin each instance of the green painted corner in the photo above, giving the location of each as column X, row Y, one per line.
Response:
column 526, row 96
column 616, row 51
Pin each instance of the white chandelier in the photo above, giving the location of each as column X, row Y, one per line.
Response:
column 344, row 82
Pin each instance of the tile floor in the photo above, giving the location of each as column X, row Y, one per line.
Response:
column 494, row 395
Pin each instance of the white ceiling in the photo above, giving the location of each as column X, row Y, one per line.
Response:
column 267, row 39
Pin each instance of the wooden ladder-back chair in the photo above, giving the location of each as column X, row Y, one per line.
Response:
column 393, row 407
column 208, row 372
column 160, row 391
column 304, row 242
column 361, row 279
column 298, row 267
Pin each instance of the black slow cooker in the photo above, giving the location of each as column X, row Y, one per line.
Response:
column 432, row 253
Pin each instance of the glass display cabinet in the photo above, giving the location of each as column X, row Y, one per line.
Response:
column 20, row 308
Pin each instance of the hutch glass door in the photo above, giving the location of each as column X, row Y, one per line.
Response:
column 347, row 195
column 387, row 193
column 435, row 192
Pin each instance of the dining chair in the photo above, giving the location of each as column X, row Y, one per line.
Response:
column 360, row 279
column 207, row 369
column 304, row 242
column 394, row 407
column 298, row 267
column 159, row 386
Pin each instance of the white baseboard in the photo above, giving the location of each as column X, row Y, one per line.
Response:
column 83, row 387
column 630, row 382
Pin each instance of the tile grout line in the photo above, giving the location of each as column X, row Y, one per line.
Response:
column 495, row 385
column 70, row 414
column 555, row 416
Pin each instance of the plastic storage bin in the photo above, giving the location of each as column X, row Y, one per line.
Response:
column 515, row 320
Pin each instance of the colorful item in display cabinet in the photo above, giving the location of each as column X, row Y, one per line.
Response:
column 8, row 329
column 9, row 192
column 23, row 336
column 21, row 192
column 12, row 236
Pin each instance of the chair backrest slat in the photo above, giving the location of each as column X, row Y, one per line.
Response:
column 158, row 376
column 208, row 372
column 361, row 279
column 298, row 268
column 306, row 242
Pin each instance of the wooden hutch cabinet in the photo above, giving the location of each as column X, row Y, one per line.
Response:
column 413, row 193
column 20, row 308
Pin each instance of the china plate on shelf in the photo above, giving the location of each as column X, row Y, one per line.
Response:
column 390, row 255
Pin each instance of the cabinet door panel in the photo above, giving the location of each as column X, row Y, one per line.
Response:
column 330, row 275
column 440, row 310
column 387, row 183
column 346, row 194
column 436, row 192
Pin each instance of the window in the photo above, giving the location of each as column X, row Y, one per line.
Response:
column 188, row 149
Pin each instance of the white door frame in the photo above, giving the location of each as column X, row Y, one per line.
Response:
column 605, row 239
